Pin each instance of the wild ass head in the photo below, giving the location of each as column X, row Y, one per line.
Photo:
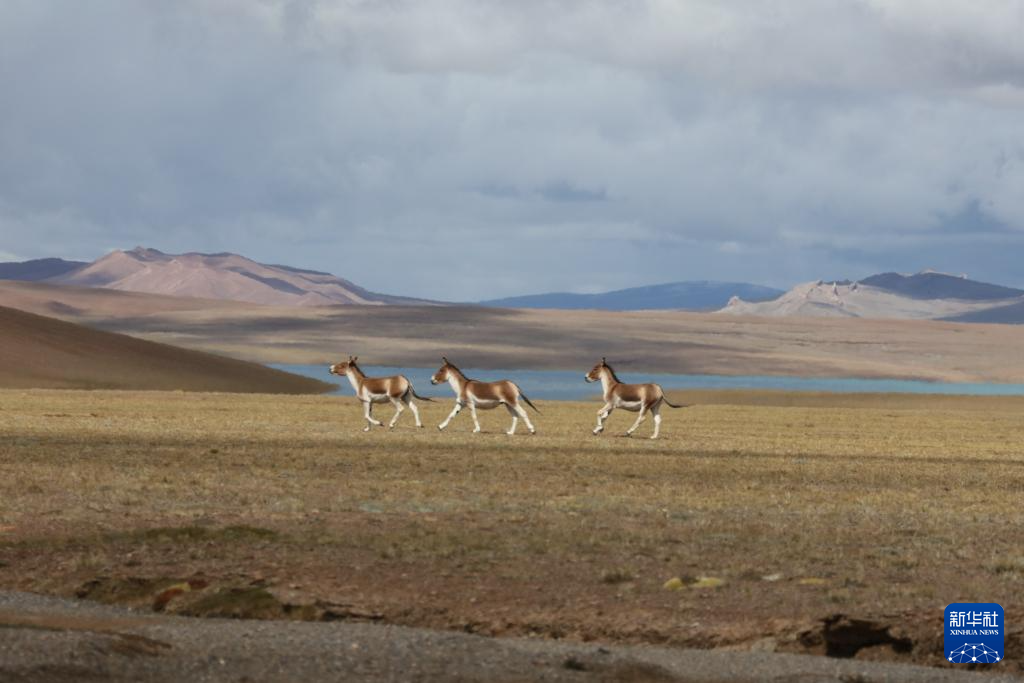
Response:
column 443, row 373
column 342, row 368
column 598, row 371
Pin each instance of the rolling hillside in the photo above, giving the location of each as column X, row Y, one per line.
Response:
column 207, row 276
column 39, row 352
column 692, row 296
column 1011, row 314
column 87, row 304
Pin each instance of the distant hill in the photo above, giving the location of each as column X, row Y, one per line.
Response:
column 42, row 352
column 38, row 269
column 1011, row 314
column 210, row 276
column 934, row 285
column 693, row 296
column 92, row 305
column 925, row 296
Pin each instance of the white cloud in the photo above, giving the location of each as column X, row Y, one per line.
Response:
column 911, row 44
column 601, row 142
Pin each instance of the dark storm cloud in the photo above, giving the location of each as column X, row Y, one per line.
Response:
column 579, row 145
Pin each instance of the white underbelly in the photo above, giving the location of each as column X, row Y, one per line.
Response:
column 485, row 404
column 378, row 398
column 632, row 406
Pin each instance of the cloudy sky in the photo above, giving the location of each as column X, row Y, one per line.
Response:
column 464, row 150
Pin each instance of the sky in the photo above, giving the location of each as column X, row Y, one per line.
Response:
column 468, row 150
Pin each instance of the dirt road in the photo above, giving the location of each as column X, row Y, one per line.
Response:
column 57, row 640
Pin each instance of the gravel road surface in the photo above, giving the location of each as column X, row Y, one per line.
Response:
column 50, row 639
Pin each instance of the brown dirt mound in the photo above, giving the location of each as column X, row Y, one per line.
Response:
column 45, row 353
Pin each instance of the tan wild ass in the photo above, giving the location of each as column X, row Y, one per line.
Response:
column 484, row 395
column 370, row 390
column 632, row 397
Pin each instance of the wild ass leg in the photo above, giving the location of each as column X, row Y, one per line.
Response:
column 415, row 411
column 472, row 411
column 399, row 407
column 368, row 414
column 526, row 418
column 639, row 419
column 515, row 419
column 455, row 411
column 656, row 411
column 602, row 415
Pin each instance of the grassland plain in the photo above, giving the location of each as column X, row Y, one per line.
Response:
column 762, row 520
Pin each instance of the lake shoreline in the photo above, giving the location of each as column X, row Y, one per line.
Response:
column 564, row 385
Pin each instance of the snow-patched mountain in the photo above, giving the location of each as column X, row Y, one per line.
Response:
column 925, row 295
column 220, row 276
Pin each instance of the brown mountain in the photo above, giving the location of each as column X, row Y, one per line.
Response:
column 924, row 296
column 220, row 276
column 41, row 352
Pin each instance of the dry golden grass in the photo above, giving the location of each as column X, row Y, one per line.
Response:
column 870, row 506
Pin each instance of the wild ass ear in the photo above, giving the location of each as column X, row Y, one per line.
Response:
column 355, row 358
column 603, row 361
column 444, row 359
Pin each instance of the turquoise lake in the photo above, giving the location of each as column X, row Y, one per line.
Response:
column 563, row 385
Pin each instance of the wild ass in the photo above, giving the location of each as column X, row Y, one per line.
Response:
column 484, row 395
column 370, row 390
column 632, row 397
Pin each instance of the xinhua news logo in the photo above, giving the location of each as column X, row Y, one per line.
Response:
column 974, row 633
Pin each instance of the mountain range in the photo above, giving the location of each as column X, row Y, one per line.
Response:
column 703, row 295
column 927, row 295
column 237, row 278
column 207, row 276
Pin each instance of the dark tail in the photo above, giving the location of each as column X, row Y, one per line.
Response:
column 415, row 395
column 673, row 405
column 528, row 401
